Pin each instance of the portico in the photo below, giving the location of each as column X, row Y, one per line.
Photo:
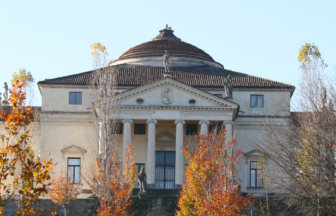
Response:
column 161, row 140
column 168, row 108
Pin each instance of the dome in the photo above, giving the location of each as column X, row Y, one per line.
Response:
column 181, row 54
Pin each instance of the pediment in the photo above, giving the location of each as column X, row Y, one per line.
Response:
column 171, row 93
column 73, row 149
column 165, row 139
column 254, row 155
column 255, row 152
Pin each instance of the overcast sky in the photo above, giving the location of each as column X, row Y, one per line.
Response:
column 261, row 38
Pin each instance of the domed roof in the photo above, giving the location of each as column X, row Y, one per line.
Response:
column 181, row 53
column 176, row 48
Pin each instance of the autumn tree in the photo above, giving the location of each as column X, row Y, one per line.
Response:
column 63, row 191
column 113, row 175
column 25, row 77
column 18, row 154
column 104, row 112
column 114, row 190
column 211, row 185
column 301, row 148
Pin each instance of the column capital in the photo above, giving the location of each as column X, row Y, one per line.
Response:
column 127, row 121
column 228, row 122
column 179, row 121
column 204, row 122
column 151, row 121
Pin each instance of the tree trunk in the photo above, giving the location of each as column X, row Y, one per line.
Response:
column 65, row 210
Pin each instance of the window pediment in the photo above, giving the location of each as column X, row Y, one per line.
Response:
column 73, row 149
column 253, row 155
column 165, row 139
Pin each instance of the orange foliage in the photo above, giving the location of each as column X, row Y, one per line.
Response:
column 211, row 186
column 114, row 189
column 31, row 183
column 63, row 191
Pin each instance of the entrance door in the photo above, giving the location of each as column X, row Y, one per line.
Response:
column 165, row 170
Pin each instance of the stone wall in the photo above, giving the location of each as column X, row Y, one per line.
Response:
column 78, row 208
column 149, row 206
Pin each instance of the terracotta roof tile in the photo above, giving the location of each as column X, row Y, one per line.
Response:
column 176, row 48
column 196, row 77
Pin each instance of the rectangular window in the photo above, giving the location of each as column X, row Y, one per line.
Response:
column 139, row 128
column 255, row 180
column 215, row 127
column 138, row 169
column 257, row 101
column 218, row 95
column 191, row 129
column 116, row 128
column 74, row 169
column 75, row 98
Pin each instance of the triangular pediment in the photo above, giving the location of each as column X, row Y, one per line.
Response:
column 255, row 152
column 171, row 93
column 165, row 137
column 73, row 149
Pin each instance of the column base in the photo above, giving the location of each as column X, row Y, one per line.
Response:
column 150, row 186
column 178, row 186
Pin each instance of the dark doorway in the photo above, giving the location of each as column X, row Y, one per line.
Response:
column 165, row 170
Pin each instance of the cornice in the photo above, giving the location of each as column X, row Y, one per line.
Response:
column 134, row 107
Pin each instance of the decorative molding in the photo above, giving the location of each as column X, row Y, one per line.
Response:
column 151, row 121
column 76, row 148
column 203, row 121
column 165, row 134
column 170, row 142
column 254, row 154
column 166, row 95
column 253, row 151
column 172, row 108
column 179, row 121
column 168, row 81
column 127, row 121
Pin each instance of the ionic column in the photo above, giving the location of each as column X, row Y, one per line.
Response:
column 228, row 139
column 204, row 127
column 151, row 153
column 228, row 135
column 127, row 136
column 179, row 166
